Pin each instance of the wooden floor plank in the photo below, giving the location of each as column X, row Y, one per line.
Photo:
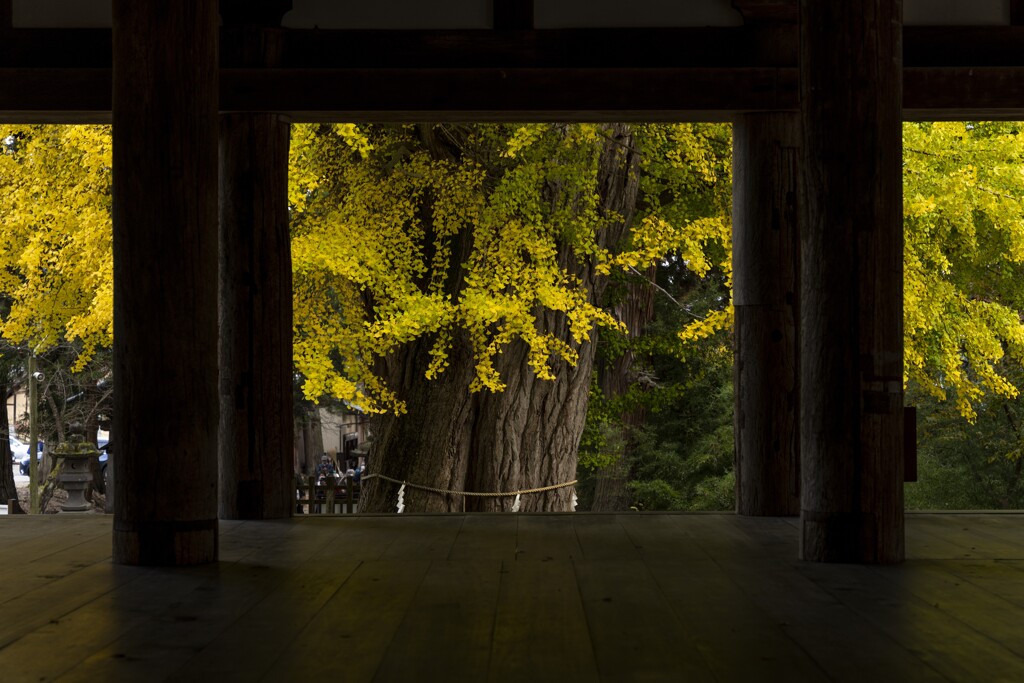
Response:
column 922, row 543
column 271, row 623
column 842, row 642
column 63, row 562
column 424, row 537
column 1002, row 578
column 486, row 537
column 724, row 535
column 943, row 644
column 1006, row 527
column 446, row 633
column 507, row 597
column 182, row 629
column 540, row 627
column 93, row 626
column 968, row 532
column 546, row 538
column 635, row 634
column 963, row 604
column 661, row 537
column 601, row 537
column 351, row 633
column 262, row 635
column 220, row 597
column 725, row 621
column 50, row 588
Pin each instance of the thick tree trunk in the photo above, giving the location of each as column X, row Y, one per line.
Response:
column 430, row 445
column 165, row 281
column 525, row 437
column 611, row 493
column 851, row 324
column 765, row 259
column 309, row 438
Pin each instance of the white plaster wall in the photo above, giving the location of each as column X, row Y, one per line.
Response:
column 956, row 12
column 61, row 13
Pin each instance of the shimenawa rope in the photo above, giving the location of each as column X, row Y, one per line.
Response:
column 452, row 492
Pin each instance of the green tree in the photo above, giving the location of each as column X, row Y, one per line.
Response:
column 55, row 236
column 965, row 466
column 56, row 270
column 682, row 457
column 963, row 256
column 478, row 261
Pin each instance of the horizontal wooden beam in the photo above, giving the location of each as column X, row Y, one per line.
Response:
column 429, row 94
column 515, row 93
column 956, row 94
column 630, row 74
column 963, row 46
column 712, row 47
column 759, row 46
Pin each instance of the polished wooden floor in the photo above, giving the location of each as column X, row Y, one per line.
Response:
column 525, row 598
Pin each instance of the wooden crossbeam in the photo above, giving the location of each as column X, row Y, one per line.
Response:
column 513, row 15
column 1017, row 12
column 628, row 74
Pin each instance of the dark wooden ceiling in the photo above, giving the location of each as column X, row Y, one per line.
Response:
column 516, row 73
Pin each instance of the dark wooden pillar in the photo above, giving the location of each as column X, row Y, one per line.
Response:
column 765, row 295
column 257, row 421
column 165, row 281
column 851, row 282
column 256, row 418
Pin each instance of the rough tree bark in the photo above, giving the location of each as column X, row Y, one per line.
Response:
column 523, row 437
column 309, row 438
column 615, row 379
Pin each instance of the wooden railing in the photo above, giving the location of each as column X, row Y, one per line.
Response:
column 338, row 497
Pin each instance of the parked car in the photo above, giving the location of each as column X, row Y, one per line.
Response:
column 19, row 449
column 24, row 458
column 22, row 454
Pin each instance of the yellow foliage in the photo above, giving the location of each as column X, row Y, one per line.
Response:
column 963, row 257
column 383, row 224
column 55, row 235
column 408, row 240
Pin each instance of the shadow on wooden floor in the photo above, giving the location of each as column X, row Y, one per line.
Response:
column 575, row 597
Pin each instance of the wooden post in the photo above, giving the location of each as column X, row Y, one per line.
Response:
column 256, row 417
column 165, row 281
column 765, row 293
column 257, row 422
column 851, row 327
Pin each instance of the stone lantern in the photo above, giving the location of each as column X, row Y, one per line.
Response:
column 76, row 455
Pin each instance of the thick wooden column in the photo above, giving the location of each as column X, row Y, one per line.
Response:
column 165, row 281
column 765, row 295
column 851, row 283
column 256, row 417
